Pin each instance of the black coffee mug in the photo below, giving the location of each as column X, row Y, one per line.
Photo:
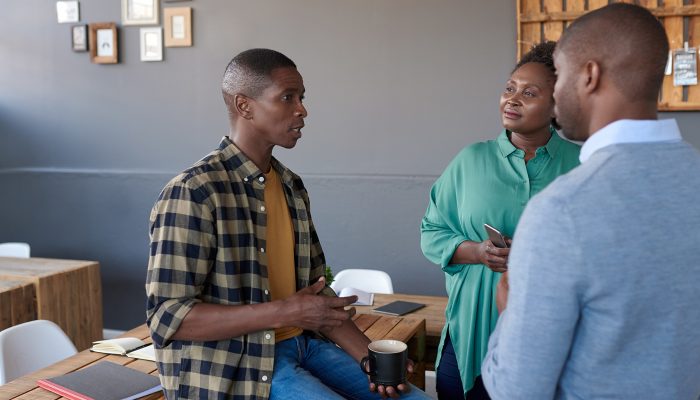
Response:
column 386, row 362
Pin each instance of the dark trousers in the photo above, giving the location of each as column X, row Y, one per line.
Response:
column 448, row 381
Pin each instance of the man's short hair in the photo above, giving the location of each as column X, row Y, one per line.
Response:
column 249, row 72
column 627, row 41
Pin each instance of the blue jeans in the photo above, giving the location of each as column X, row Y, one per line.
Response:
column 309, row 369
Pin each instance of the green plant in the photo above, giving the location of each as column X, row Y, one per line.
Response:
column 329, row 275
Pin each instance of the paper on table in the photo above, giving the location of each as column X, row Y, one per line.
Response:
column 363, row 298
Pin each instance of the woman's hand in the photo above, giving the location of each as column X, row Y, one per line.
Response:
column 494, row 257
column 502, row 292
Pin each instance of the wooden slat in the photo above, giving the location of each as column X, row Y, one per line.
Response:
column 39, row 394
column 650, row 4
column 518, row 26
column 694, row 41
column 405, row 329
column 595, row 4
column 530, row 37
column 364, row 321
column 554, row 29
column 574, row 7
column 674, row 9
column 530, row 33
column 687, row 106
column 381, row 328
column 672, row 95
column 411, row 331
column 572, row 14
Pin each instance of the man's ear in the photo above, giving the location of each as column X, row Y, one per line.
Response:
column 243, row 106
column 591, row 76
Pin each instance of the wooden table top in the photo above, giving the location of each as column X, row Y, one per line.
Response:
column 38, row 267
column 433, row 312
column 375, row 327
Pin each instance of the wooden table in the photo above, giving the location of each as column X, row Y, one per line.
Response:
column 409, row 330
column 433, row 313
column 67, row 292
column 17, row 303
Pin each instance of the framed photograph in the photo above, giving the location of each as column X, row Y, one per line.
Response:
column 140, row 12
column 67, row 12
column 103, row 43
column 151, row 44
column 178, row 26
column 79, row 37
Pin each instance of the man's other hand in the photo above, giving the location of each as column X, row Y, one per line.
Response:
column 306, row 310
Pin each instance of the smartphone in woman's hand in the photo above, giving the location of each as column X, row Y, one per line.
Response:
column 495, row 236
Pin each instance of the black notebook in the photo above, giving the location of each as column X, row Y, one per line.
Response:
column 399, row 307
column 103, row 381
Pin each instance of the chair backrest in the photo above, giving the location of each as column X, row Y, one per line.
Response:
column 14, row 249
column 30, row 346
column 369, row 280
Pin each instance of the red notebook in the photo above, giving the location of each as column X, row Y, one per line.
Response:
column 103, row 381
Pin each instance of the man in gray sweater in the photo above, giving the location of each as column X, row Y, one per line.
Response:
column 603, row 290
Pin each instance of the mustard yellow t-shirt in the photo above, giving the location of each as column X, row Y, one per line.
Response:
column 280, row 248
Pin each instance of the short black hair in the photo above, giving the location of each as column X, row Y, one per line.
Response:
column 542, row 53
column 249, row 72
column 628, row 41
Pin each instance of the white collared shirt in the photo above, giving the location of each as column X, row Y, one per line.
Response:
column 631, row 131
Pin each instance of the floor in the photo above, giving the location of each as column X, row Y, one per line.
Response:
column 430, row 384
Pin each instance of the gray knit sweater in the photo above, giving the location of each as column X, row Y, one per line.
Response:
column 604, row 272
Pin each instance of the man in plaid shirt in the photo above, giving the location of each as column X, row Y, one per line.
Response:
column 235, row 279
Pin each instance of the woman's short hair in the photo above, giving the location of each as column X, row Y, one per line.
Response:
column 542, row 53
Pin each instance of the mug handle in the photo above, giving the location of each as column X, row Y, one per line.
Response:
column 363, row 365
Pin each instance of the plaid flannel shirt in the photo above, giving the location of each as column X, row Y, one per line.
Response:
column 208, row 245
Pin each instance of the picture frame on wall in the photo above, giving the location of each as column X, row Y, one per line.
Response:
column 178, row 26
column 67, row 11
column 79, row 38
column 103, row 43
column 140, row 12
column 151, row 44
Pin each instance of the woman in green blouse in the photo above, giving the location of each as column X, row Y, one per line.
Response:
column 490, row 183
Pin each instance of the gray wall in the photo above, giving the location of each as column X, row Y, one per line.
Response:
column 395, row 88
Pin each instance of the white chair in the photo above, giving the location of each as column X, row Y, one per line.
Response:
column 30, row 346
column 14, row 249
column 369, row 280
